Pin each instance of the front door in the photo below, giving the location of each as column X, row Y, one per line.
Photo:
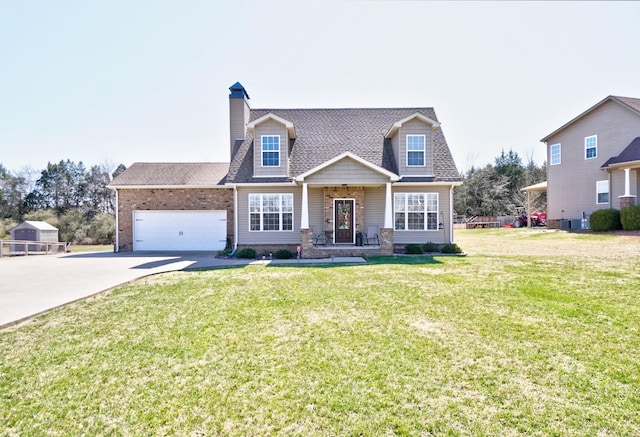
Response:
column 343, row 222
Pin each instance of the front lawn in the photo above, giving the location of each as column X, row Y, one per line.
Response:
column 533, row 333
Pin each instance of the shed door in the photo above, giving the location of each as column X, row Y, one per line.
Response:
column 179, row 230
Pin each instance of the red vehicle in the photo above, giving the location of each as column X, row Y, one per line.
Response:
column 537, row 219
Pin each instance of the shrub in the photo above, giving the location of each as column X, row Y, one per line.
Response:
column 247, row 252
column 451, row 248
column 226, row 251
column 431, row 247
column 413, row 249
column 630, row 218
column 605, row 220
column 283, row 254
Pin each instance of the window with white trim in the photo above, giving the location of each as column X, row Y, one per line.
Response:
column 554, row 154
column 415, row 150
column 271, row 212
column 415, row 211
column 591, row 147
column 602, row 192
column 270, row 150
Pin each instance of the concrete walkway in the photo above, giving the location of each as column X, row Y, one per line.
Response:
column 35, row 284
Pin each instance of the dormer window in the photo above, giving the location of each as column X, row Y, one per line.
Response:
column 415, row 150
column 270, row 150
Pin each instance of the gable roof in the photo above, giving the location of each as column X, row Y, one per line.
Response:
column 630, row 103
column 172, row 174
column 324, row 134
column 290, row 128
column 346, row 155
column 631, row 153
column 35, row 224
column 397, row 125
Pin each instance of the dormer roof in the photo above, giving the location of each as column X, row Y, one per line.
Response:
column 289, row 125
column 397, row 125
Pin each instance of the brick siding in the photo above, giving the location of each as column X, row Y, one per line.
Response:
column 169, row 199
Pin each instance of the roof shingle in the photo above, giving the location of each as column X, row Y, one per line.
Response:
column 172, row 174
column 323, row 134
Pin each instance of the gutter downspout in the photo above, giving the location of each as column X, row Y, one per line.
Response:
column 450, row 224
column 235, row 221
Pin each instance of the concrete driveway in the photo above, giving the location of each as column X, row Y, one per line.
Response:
column 34, row 284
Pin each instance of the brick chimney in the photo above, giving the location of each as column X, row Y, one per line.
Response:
column 238, row 115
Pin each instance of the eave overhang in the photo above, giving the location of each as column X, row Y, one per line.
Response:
column 164, row 187
column 594, row 107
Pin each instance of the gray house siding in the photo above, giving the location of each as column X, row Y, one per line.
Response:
column 437, row 236
column 374, row 199
column 346, row 171
column 247, row 237
column 415, row 127
column 316, row 209
column 571, row 185
column 270, row 127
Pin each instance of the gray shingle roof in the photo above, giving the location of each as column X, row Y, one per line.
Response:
column 323, row 134
column 631, row 153
column 172, row 174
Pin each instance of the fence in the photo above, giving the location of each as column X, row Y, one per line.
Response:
column 25, row 248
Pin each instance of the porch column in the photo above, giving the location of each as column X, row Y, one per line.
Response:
column 627, row 183
column 388, row 208
column 304, row 219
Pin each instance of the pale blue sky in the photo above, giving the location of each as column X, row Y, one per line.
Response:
column 125, row 81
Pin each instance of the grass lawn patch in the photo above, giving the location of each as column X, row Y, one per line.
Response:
column 533, row 333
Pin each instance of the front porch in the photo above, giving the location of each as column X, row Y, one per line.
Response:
column 331, row 250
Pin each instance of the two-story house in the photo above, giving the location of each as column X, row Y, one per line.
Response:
column 593, row 162
column 332, row 181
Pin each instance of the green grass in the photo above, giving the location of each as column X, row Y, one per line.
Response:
column 533, row 333
column 80, row 248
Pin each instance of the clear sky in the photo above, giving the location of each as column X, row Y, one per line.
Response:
column 120, row 81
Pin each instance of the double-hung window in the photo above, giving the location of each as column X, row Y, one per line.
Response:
column 415, row 150
column 270, row 150
column 602, row 191
column 415, row 211
column 271, row 212
column 554, row 153
column 591, row 147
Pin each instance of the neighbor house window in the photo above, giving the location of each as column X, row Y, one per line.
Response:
column 602, row 190
column 415, row 150
column 415, row 211
column 271, row 212
column 591, row 147
column 270, row 150
column 555, row 154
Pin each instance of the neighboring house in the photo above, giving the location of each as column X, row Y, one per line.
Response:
column 314, row 178
column 593, row 162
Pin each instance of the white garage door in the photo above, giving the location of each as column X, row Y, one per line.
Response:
column 179, row 230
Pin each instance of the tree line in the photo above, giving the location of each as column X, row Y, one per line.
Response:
column 73, row 198
column 496, row 189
